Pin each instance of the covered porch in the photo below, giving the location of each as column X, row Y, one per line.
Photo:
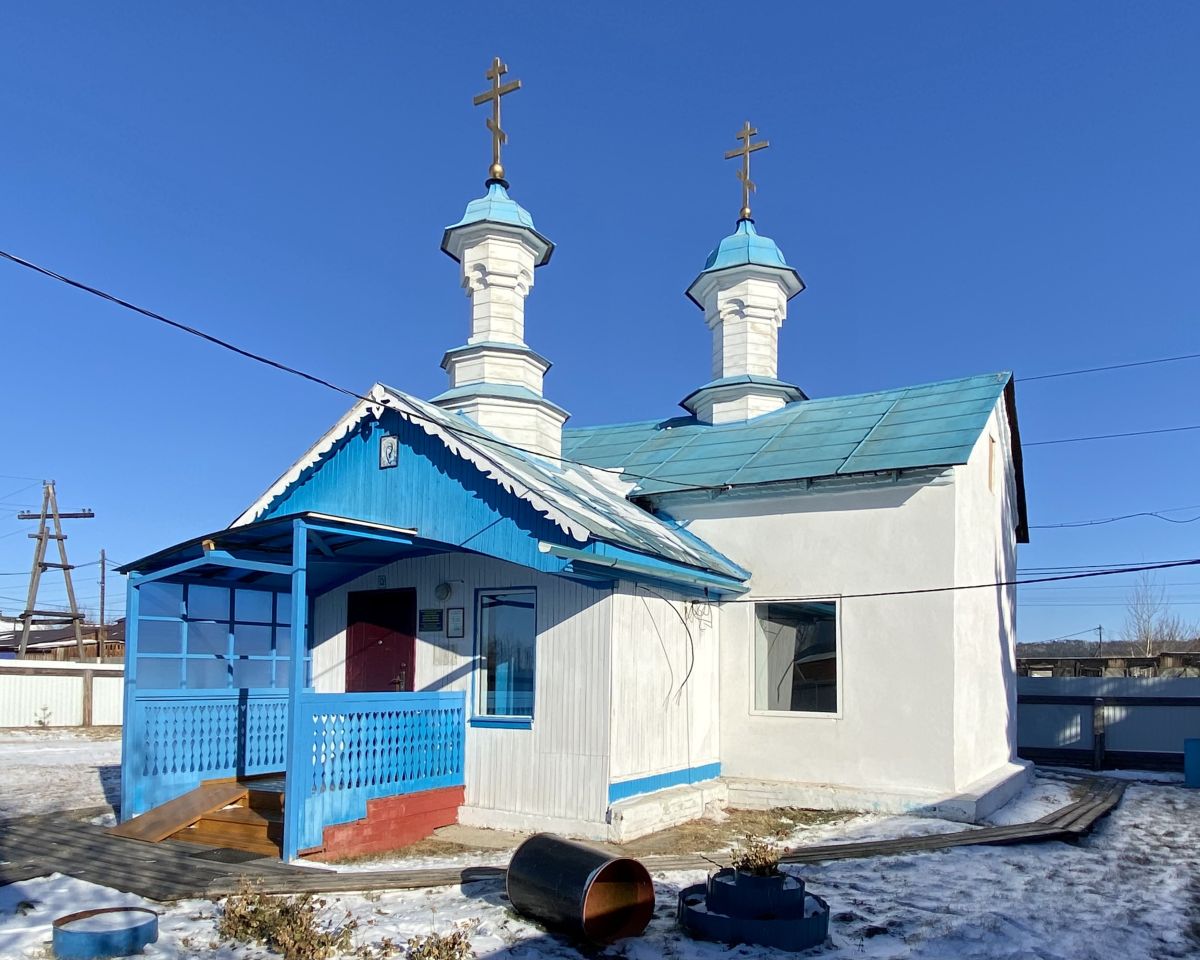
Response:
column 219, row 681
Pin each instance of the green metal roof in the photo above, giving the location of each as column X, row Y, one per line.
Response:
column 935, row 424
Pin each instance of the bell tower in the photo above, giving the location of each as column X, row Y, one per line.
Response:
column 495, row 378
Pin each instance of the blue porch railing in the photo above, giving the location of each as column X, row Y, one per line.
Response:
column 355, row 747
column 174, row 739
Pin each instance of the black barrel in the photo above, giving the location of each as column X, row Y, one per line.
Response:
column 580, row 890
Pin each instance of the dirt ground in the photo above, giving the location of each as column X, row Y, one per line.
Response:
column 698, row 836
column 56, row 733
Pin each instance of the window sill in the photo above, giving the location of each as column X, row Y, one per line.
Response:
column 797, row 714
column 503, row 723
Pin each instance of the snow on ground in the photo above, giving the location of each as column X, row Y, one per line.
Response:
column 1040, row 799
column 46, row 770
column 1130, row 890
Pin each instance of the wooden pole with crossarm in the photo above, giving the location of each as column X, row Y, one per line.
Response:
column 49, row 514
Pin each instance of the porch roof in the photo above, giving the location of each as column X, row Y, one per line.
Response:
column 339, row 551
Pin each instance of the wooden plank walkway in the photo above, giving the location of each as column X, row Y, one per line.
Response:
column 173, row 870
column 168, row 870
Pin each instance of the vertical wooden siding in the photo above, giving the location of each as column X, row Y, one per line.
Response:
column 660, row 722
column 430, row 489
column 559, row 768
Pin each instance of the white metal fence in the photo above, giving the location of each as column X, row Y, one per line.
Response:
column 1107, row 721
column 50, row 693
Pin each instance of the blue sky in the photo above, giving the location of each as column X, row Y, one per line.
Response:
column 964, row 188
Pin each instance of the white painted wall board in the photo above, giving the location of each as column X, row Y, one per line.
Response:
column 559, row 768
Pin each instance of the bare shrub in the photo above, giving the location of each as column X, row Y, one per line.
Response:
column 756, row 857
column 455, row 945
column 298, row 928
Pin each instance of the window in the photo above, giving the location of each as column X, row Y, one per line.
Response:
column 507, row 642
column 795, row 657
column 208, row 637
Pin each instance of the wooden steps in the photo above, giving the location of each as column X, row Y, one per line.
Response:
column 237, row 814
column 253, row 822
column 242, row 828
column 174, row 815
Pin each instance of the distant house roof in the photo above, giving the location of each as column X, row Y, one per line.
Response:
column 61, row 636
column 586, row 503
column 931, row 425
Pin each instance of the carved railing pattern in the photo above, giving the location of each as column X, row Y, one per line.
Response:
column 179, row 739
column 355, row 747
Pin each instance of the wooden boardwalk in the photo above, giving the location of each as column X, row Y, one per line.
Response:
column 171, row 870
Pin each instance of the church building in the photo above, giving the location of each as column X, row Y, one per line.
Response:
column 463, row 609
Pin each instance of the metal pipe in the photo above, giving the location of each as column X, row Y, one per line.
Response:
column 580, row 890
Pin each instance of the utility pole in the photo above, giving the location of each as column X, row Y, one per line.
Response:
column 103, row 628
column 50, row 512
column 1100, row 633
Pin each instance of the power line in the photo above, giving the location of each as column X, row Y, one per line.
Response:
column 1159, row 514
column 986, row 586
column 1066, row 636
column 321, row 381
column 1089, row 566
column 1111, row 436
column 1111, row 366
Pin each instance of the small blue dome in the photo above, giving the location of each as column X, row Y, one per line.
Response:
column 498, row 207
column 745, row 246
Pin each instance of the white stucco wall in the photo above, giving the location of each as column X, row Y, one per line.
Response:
column 985, row 707
column 894, row 727
column 553, row 776
column 665, row 684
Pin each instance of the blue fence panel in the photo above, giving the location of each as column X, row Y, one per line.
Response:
column 355, row 747
column 174, row 739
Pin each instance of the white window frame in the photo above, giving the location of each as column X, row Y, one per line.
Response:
column 838, row 714
column 479, row 717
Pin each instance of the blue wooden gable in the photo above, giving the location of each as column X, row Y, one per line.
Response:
column 496, row 502
column 443, row 497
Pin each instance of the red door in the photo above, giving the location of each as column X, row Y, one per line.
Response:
column 381, row 640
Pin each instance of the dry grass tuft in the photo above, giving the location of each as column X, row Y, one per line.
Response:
column 297, row 928
column 441, row 946
column 756, row 857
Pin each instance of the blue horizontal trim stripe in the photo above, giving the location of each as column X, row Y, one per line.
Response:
column 661, row 781
column 506, row 723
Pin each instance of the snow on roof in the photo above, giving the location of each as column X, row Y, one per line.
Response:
column 585, row 502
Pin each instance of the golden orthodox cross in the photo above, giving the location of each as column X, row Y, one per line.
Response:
column 744, row 152
column 497, row 70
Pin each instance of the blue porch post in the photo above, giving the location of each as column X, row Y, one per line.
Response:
column 130, row 738
column 296, row 777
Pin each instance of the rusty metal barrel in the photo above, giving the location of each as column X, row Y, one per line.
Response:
column 579, row 890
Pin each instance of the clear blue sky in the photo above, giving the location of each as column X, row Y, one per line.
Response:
column 964, row 187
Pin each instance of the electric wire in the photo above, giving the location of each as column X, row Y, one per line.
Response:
column 1111, row 436
column 1158, row 514
column 1111, row 366
column 1195, row 561
column 321, row 381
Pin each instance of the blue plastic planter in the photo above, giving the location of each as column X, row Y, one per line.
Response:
column 111, row 932
column 1191, row 762
column 742, row 895
column 736, row 908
